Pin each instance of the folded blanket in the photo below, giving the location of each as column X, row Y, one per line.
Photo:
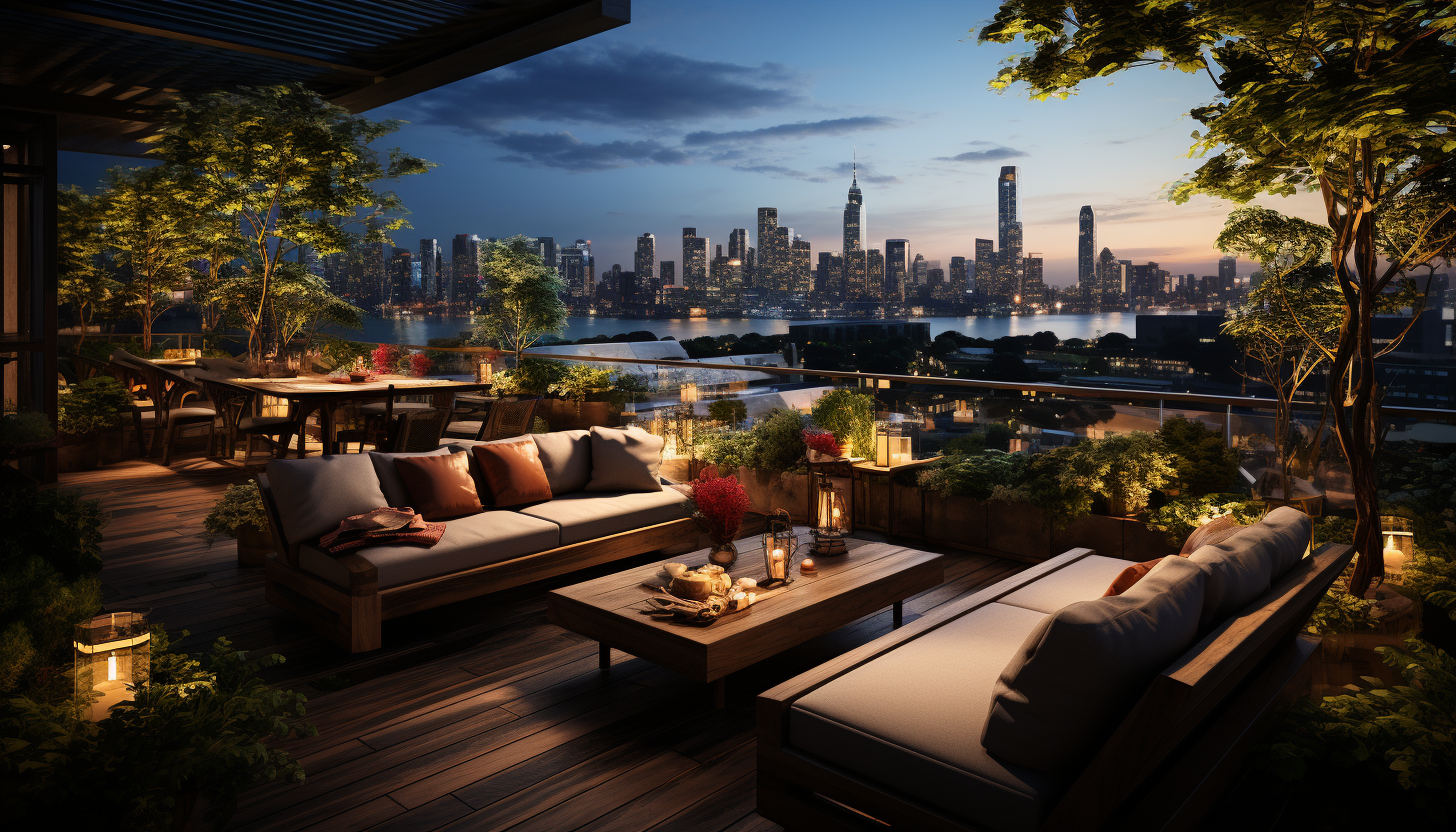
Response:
column 381, row 527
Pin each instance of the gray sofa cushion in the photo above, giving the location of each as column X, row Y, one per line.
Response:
column 586, row 515
column 912, row 720
column 624, row 460
column 1245, row 564
column 390, row 482
column 1082, row 580
column 1080, row 672
column 475, row 540
column 566, row 456
column 315, row 494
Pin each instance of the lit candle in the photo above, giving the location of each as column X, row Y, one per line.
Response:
column 806, row 566
column 778, row 554
column 1394, row 558
column 752, row 596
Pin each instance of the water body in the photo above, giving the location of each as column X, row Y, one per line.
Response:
column 420, row 330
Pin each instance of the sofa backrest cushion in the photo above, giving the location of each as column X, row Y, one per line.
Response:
column 441, row 486
column 512, row 470
column 624, row 460
column 389, row 480
column 1214, row 531
column 567, row 457
column 314, row 495
column 1245, row 564
column 1081, row 670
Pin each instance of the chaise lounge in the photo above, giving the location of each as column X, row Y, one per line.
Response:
column 1038, row 704
column 605, row 502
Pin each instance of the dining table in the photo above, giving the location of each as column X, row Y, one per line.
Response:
column 307, row 393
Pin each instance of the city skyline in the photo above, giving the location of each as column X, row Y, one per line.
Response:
column 697, row 117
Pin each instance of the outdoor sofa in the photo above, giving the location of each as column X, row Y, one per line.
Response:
column 1037, row 704
column 347, row 597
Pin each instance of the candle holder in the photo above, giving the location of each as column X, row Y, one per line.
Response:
column 830, row 520
column 113, row 655
column 1399, row 545
column 778, row 549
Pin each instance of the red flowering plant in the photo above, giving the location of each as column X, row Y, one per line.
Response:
column 823, row 442
column 719, row 504
column 386, row 358
column 419, row 364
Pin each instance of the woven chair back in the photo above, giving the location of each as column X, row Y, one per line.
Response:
column 420, row 430
column 510, row 418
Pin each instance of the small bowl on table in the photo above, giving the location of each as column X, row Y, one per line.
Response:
column 358, row 378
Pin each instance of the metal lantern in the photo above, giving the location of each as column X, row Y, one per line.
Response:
column 778, row 548
column 830, row 519
column 892, row 446
column 113, row 659
column 1399, row 545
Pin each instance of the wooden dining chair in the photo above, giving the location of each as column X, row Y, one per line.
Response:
column 236, row 407
column 419, row 430
column 509, row 418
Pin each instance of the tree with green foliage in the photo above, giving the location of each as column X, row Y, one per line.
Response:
column 302, row 303
column 288, row 169
column 147, row 225
column 81, row 278
column 1202, row 462
column 1355, row 101
column 522, row 297
column 730, row 412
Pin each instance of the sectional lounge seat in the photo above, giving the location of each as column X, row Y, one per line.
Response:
column 1036, row 704
column 347, row 597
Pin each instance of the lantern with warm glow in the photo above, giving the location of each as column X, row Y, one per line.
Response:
column 830, row 521
column 688, row 393
column 113, row 659
column 484, row 369
column 1400, row 545
column 892, row 445
column 778, row 548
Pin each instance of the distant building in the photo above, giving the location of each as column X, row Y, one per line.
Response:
column 766, row 269
column 1204, row 327
column 799, row 268
column 1086, row 252
column 1008, row 229
column 985, row 267
column 897, row 268
column 960, row 278
column 919, row 271
column 851, row 331
column 1228, row 276
column 738, row 244
column 644, row 261
column 465, row 268
column 874, row 274
column 695, row 263
column 854, row 213
column 431, row 290
column 1033, row 286
column 829, row 277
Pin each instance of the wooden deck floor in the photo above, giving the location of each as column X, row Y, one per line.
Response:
column 480, row 715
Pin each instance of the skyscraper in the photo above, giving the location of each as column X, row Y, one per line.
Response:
column 856, row 275
column 828, row 277
column 1109, row 279
column 694, row 263
column 897, row 266
column 985, row 271
column 1008, row 227
column 738, row 244
column 1228, row 272
column 1086, row 252
column 1033, row 287
column 546, row 248
column 465, row 268
column 959, row 278
column 644, row 262
column 800, row 269
column 766, row 269
column 874, row 274
column 430, row 288
column 854, row 213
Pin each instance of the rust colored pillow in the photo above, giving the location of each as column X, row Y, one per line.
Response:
column 1214, row 531
column 439, row 486
column 1129, row 576
column 513, row 471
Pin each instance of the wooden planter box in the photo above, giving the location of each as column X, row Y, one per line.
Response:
column 770, row 492
column 254, row 545
column 78, row 453
column 1019, row 531
column 909, row 510
column 955, row 521
column 565, row 414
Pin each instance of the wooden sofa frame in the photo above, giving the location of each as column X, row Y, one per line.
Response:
column 353, row 618
column 1164, row 766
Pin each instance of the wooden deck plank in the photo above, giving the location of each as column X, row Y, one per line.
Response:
column 478, row 715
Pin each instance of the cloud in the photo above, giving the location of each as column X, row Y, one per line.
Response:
column 564, row 151
column 619, row 86
column 992, row 153
column 801, row 129
column 780, row 170
column 866, row 172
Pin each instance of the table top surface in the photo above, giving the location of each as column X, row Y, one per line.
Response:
column 621, row 597
column 303, row 386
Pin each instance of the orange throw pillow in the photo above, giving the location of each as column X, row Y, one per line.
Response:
column 1129, row 576
column 439, row 486
column 513, row 471
column 1212, row 532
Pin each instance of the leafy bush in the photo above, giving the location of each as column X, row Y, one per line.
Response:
column 580, row 381
column 531, row 377
column 1340, row 612
column 974, row 475
column 20, row 429
column 850, row 416
column 92, row 405
column 1202, row 463
column 1401, row 738
column 1431, row 574
column 728, row 449
column 773, row 445
column 996, row 437
column 240, row 505
column 341, row 354
column 201, row 729
column 50, row 556
column 1178, row 518
column 730, row 412
column 1122, row 469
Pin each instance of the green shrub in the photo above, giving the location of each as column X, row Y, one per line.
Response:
column 20, row 429
column 850, row 416
column 730, row 412
column 1340, row 612
column 531, row 377
column 201, row 729
column 1122, row 469
column 1202, row 463
column 1178, row 518
column 778, row 441
column 50, row 557
column 240, row 505
column 974, row 475
column 92, row 405
column 1398, row 742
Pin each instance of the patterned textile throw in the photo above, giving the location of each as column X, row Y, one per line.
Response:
column 380, row 527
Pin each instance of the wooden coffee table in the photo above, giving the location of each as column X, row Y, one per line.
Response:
column 870, row 577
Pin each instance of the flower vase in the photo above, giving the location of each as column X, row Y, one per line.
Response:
column 723, row 554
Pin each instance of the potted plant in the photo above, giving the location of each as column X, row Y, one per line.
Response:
column 823, row 447
column 850, row 416
column 719, row 504
column 22, row 431
column 240, row 514
column 1123, row 470
column 82, row 412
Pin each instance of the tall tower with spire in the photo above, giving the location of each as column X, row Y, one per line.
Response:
column 854, row 211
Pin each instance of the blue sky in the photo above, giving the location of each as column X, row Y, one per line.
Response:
column 696, row 114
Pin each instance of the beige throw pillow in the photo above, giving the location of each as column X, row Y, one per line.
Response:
column 624, row 460
column 1080, row 672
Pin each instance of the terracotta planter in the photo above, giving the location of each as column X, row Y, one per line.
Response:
column 78, row 453
column 254, row 545
column 954, row 521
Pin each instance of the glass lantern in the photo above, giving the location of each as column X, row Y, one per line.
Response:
column 830, row 520
column 1399, row 544
column 113, row 658
column 892, row 445
column 483, row 370
column 778, row 548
